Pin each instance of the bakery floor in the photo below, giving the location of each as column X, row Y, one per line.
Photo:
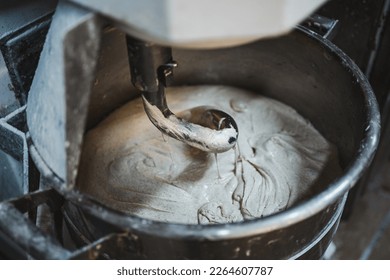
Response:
column 365, row 233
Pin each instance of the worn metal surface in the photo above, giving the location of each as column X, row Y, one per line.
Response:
column 154, row 240
column 358, row 21
column 364, row 35
column 8, row 101
column 20, row 238
column 17, row 14
column 112, row 86
column 23, row 233
column 21, row 51
column 13, row 142
column 380, row 60
column 323, row 26
column 23, row 26
column 59, row 94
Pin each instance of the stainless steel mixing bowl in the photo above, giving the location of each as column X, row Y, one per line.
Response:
column 300, row 69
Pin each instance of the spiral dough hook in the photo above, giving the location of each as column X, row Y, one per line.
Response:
column 208, row 129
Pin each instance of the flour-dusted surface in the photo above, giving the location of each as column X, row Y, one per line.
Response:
column 280, row 159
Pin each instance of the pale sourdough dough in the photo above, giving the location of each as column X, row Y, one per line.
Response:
column 128, row 165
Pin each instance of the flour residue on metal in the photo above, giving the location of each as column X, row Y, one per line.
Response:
column 202, row 137
column 279, row 160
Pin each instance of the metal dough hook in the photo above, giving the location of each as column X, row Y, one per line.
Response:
column 208, row 129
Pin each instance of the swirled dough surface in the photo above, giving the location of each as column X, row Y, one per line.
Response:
column 281, row 159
